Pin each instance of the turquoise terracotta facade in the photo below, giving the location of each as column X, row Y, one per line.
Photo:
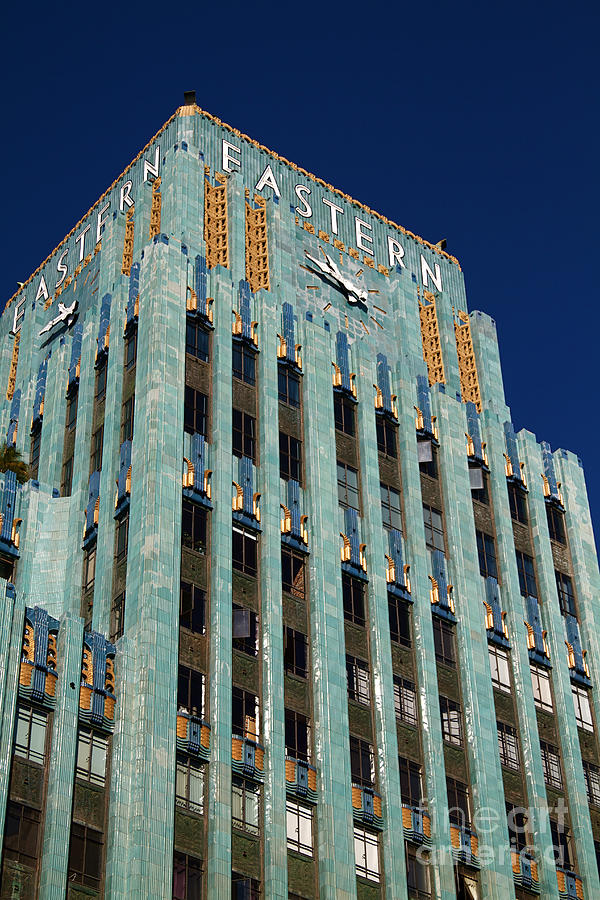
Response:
column 57, row 525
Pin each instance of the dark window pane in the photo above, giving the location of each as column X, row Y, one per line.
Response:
column 353, row 593
column 197, row 340
column 195, row 413
column 292, row 573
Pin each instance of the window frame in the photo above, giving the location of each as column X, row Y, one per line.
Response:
column 387, row 436
column 435, row 538
column 246, row 562
column 245, row 372
column 297, row 816
column 196, row 517
column 347, row 492
column 195, row 616
column 89, row 565
column 363, row 859
column 398, row 613
column 185, row 865
column 591, row 773
column 248, row 702
column 22, row 836
column 97, row 449
column 486, row 551
column 539, row 676
column 417, row 889
column 190, row 683
column 71, row 410
column 129, row 356
column 117, row 617
column 66, row 478
column 295, row 585
column 566, row 593
column 358, row 680
column 393, row 518
column 292, row 664
column 457, row 791
column 405, row 700
column 243, row 427
column 353, row 599
column 362, row 758
column 92, row 773
column 344, row 414
column 249, row 644
column 101, row 380
column 196, row 412
column 517, row 501
column 189, row 774
column 122, row 537
column 495, row 653
column 581, row 720
column 551, row 765
column 556, row 524
column 527, row 579
column 29, row 723
column 411, row 773
column 246, row 790
column 88, row 836
column 297, row 735
column 452, row 722
column 286, row 396
column 195, row 348
column 508, row 746
column 444, row 639
column 290, row 457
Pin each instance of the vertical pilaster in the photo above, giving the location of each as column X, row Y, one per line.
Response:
column 59, row 795
column 394, row 863
column 12, row 612
column 337, row 878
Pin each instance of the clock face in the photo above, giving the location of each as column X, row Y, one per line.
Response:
column 339, row 275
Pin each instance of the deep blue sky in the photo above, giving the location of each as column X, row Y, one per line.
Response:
column 481, row 128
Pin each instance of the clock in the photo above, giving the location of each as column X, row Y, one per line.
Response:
column 351, row 285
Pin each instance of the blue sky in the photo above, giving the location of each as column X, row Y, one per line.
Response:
column 475, row 124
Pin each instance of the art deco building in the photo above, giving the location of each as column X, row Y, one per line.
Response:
column 288, row 609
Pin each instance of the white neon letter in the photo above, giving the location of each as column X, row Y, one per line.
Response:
column 426, row 274
column 149, row 168
column 267, row 177
column 61, row 268
column 334, row 211
column 101, row 221
column 81, row 237
column 126, row 195
column 227, row 158
column 360, row 236
column 300, row 190
column 42, row 290
column 395, row 253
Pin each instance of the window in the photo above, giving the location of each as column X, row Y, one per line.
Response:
column 85, row 856
column 542, row 694
column 486, row 548
column 289, row 386
column 244, row 713
column 130, row 349
column 386, row 436
column 30, row 737
column 452, row 730
column 122, row 537
column 516, row 819
column 245, row 551
column 290, row 457
column 187, row 877
column 244, row 888
column 197, row 340
column 193, row 527
column 405, row 700
column 97, row 444
column 458, row 803
column 551, row 765
column 399, row 615
column 245, row 630
column 299, row 827
column 127, row 413
column 190, row 691
column 353, row 592
column 434, row 528
column 508, row 746
column 34, row 456
column 481, row 494
column 192, row 608
column 359, row 683
column 292, row 573
column 526, row 574
column 89, row 568
column 189, row 784
column 117, row 618
column 417, row 875
column 195, row 412
column 21, row 834
column 71, row 418
column 92, row 749
column 245, row 802
column 366, row 854
column 592, row 782
column 561, row 840
column 566, row 595
column 295, row 652
column 66, row 479
column 427, row 455
column 518, row 503
column 100, row 390
column 411, row 788
column 556, row 523
column 344, row 414
column 390, row 507
column 297, row 735
column 244, row 363
column 500, row 668
column 244, row 434
column 362, row 764
column 443, row 641
column 347, row 479
column 583, row 710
